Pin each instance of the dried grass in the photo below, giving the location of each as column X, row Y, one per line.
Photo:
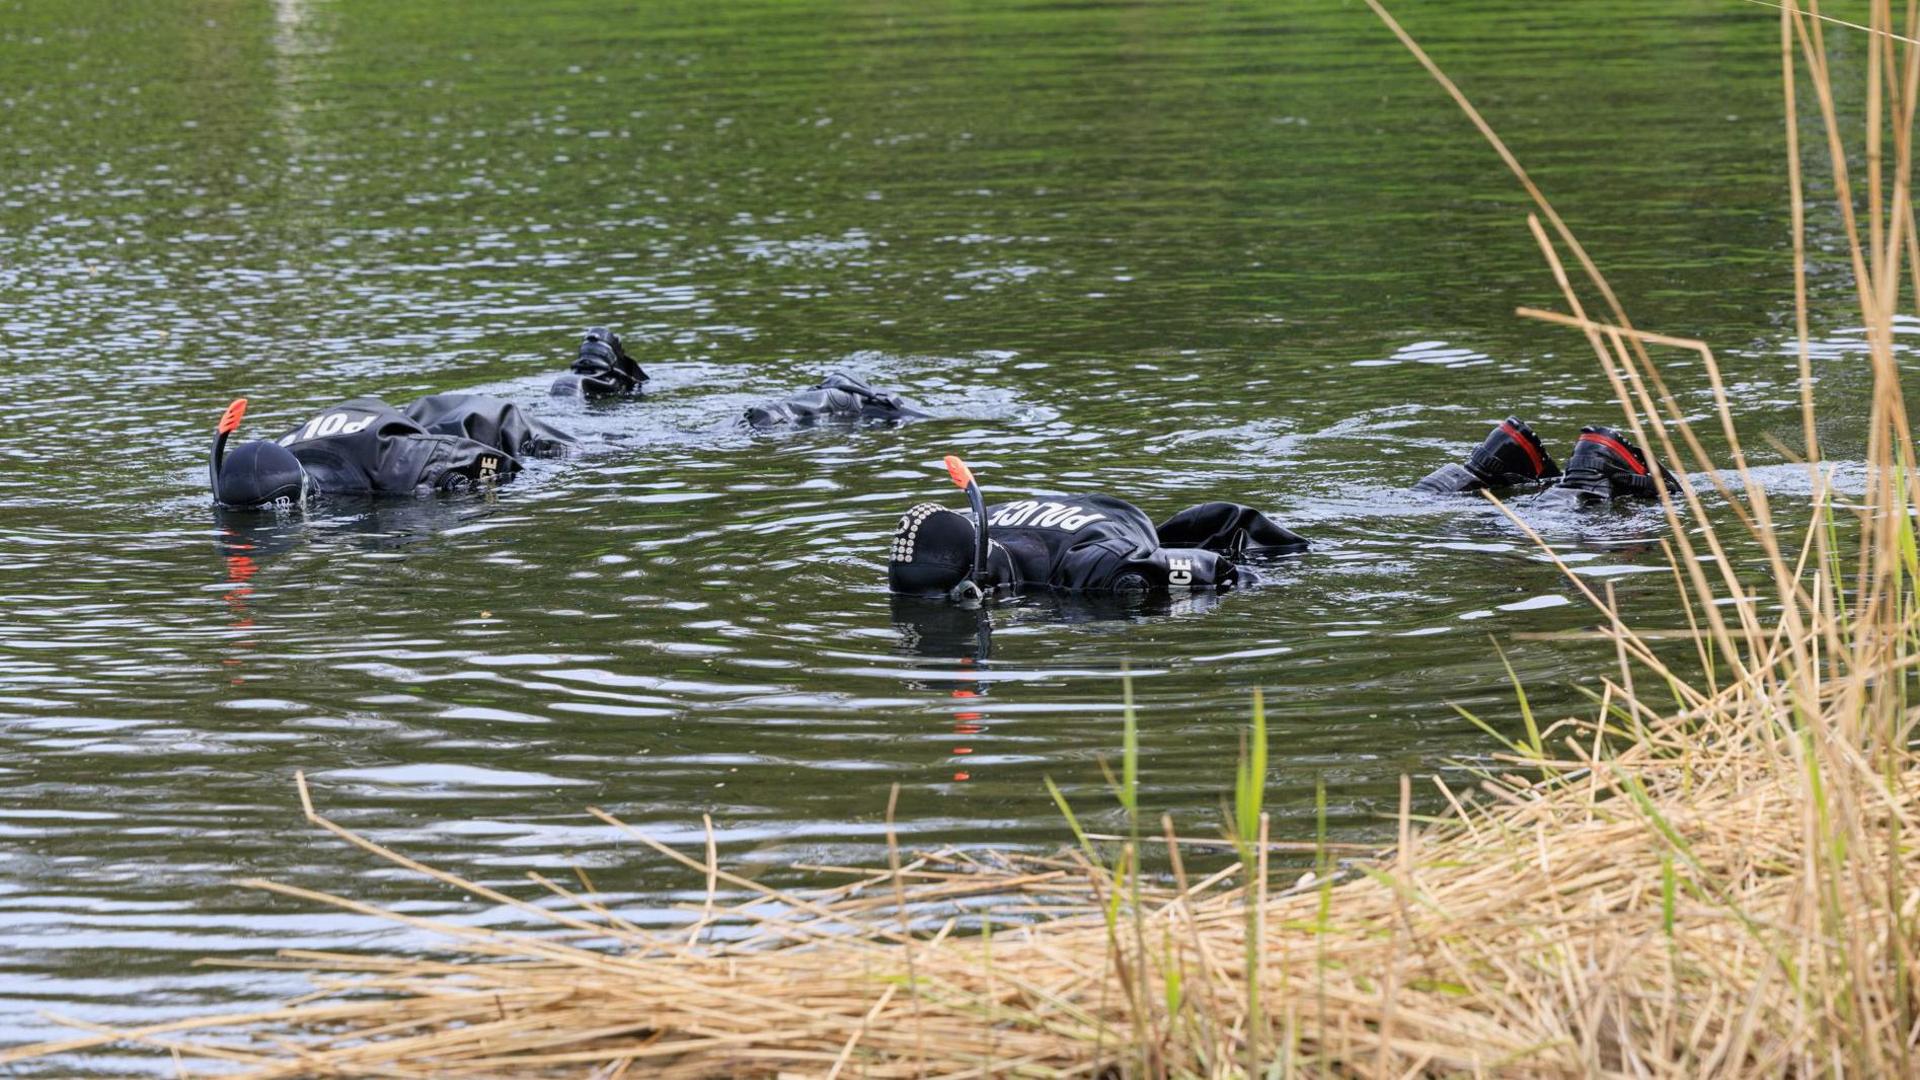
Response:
column 1706, row 877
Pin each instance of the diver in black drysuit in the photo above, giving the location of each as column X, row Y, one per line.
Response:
column 603, row 369
column 446, row 442
column 835, row 398
column 1076, row 543
column 1605, row 465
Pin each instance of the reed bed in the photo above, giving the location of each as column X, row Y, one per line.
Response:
column 1713, row 873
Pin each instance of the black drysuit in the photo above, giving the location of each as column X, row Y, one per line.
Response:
column 1095, row 543
column 836, row 397
column 443, row 442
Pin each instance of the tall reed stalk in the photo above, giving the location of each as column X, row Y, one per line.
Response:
column 1708, row 876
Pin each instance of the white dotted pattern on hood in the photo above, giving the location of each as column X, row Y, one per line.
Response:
column 908, row 530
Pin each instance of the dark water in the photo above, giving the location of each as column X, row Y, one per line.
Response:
column 1176, row 252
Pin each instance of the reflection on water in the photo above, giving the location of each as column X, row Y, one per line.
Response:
column 1174, row 253
column 937, row 628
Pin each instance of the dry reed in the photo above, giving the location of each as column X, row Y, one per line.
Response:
column 1712, row 876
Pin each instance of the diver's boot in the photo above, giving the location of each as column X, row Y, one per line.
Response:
column 604, row 366
column 1605, row 465
column 1509, row 456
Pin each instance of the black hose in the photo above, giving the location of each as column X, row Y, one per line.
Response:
column 979, row 504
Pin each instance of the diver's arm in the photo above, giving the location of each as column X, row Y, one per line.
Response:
column 802, row 408
column 523, row 436
column 1227, row 528
column 1174, row 570
column 475, row 464
column 490, row 421
column 411, row 464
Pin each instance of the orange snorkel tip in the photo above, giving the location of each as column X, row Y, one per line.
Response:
column 230, row 420
column 962, row 476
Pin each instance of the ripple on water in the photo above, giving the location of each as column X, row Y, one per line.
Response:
column 1130, row 280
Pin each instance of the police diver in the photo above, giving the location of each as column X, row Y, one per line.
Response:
column 445, row 442
column 1075, row 543
column 837, row 397
column 1605, row 465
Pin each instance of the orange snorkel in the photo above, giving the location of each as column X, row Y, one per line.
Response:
column 229, row 422
column 963, row 478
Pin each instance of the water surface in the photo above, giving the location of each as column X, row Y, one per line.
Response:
column 1177, row 252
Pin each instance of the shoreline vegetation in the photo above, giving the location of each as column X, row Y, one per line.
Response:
column 1711, row 875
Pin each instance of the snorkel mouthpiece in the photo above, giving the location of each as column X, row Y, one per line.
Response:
column 229, row 423
column 971, row 589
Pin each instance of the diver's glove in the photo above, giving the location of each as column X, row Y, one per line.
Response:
column 1509, row 456
column 1604, row 464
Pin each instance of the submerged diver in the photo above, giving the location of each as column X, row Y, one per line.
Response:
column 602, row 369
column 836, row 397
column 1074, row 543
column 445, row 442
column 1604, row 466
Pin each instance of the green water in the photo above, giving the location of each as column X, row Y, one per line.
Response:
column 1177, row 252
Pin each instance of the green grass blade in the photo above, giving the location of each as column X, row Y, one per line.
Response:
column 1526, row 708
column 1073, row 822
